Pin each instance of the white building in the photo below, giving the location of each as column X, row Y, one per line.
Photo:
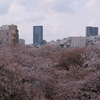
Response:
column 52, row 42
column 95, row 39
column 75, row 42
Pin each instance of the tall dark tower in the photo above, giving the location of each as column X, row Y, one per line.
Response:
column 91, row 31
column 37, row 35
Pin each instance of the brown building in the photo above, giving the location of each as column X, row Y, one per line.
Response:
column 9, row 34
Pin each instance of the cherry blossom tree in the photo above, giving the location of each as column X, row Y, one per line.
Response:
column 49, row 73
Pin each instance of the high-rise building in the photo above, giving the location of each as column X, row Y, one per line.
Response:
column 9, row 34
column 37, row 35
column 91, row 31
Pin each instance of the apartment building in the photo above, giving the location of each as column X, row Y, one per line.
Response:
column 9, row 34
column 6, row 37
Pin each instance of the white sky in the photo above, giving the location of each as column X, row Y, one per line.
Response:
column 59, row 18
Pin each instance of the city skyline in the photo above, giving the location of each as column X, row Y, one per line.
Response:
column 60, row 18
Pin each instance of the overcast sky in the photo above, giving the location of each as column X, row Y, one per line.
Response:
column 59, row 18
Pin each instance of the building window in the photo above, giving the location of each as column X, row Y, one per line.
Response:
column 7, row 33
column 7, row 39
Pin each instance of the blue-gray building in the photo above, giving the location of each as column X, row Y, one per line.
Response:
column 37, row 35
column 21, row 41
column 91, row 31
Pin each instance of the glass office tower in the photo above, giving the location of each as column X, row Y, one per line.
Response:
column 91, row 31
column 37, row 35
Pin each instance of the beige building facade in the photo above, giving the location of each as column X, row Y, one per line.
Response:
column 6, row 37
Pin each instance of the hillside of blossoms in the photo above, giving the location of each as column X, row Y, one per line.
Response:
column 49, row 73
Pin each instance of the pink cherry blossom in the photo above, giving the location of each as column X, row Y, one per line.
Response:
column 49, row 73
